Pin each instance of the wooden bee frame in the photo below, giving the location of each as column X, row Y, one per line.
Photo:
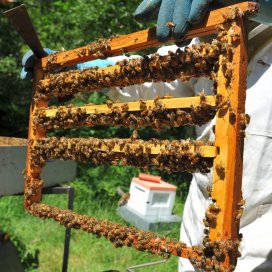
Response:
column 219, row 251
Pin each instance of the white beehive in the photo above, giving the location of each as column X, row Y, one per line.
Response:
column 151, row 196
column 12, row 163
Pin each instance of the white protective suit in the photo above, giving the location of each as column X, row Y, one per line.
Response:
column 256, row 222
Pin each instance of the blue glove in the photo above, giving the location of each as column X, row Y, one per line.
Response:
column 28, row 62
column 180, row 12
column 100, row 63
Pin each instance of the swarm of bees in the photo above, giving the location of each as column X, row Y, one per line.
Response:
column 157, row 117
column 33, row 188
column 211, row 254
column 51, row 63
column 196, row 61
column 172, row 156
column 211, row 215
column 119, row 235
column 231, row 14
column 64, row 118
column 99, row 49
column 214, row 252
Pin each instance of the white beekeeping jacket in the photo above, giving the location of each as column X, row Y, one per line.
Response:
column 256, row 222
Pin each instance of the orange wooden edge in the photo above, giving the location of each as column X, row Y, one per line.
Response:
column 147, row 38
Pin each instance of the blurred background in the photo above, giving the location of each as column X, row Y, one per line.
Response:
column 66, row 25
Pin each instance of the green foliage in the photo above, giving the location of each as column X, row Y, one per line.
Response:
column 59, row 24
column 82, row 21
column 10, row 212
column 101, row 182
column 14, row 93
column 40, row 242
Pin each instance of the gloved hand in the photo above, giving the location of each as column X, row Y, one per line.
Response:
column 28, row 62
column 180, row 12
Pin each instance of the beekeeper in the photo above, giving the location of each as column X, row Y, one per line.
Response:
column 256, row 222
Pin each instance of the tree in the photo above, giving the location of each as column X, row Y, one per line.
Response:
column 60, row 24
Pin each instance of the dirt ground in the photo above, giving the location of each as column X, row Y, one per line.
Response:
column 11, row 141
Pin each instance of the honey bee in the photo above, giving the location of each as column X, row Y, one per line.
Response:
column 231, row 14
column 206, row 231
column 241, row 203
column 210, row 217
column 170, row 24
column 239, row 214
column 124, row 107
column 134, row 135
column 220, row 170
column 206, row 223
column 109, row 103
column 209, row 190
column 202, row 96
column 245, row 120
column 213, row 208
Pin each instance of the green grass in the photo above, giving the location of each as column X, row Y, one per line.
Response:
column 87, row 253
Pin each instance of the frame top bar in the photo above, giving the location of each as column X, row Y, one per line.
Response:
column 147, row 38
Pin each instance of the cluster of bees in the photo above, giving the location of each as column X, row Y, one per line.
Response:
column 212, row 254
column 207, row 257
column 65, row 117
column 157, row 117
column 196, row 61
column 51, row 63
column 99, row 49
column 211, row 216
column 232, row 14
column 119, row 235
column 226, row 59
column 199, row 60
column 173, row 156
column 33, row 187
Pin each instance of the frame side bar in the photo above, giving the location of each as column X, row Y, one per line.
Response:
column 33, row 183
column 228, row 165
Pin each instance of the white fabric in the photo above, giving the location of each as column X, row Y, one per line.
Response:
column 256, row 222
column 150, row 90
